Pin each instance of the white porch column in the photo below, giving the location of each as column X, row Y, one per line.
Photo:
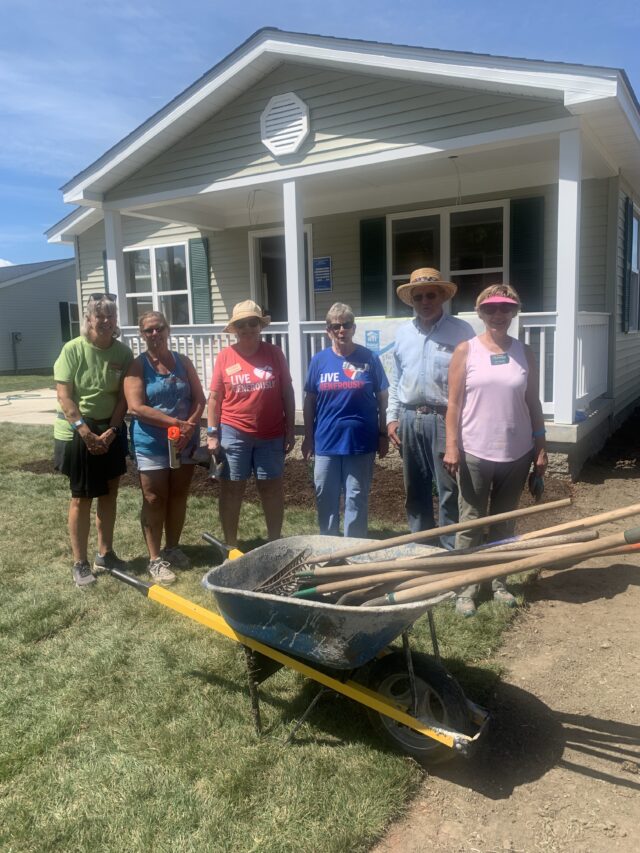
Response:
column 115, row 261
column 296, row 285
column 567, row 277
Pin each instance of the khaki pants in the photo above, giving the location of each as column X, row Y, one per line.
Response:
column 489, row 488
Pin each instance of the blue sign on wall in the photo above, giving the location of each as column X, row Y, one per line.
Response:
column 322, row 274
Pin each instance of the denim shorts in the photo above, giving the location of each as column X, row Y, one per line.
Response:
column 247, row 453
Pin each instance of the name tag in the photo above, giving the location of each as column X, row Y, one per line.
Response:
column 500, row 358
column 235, row 368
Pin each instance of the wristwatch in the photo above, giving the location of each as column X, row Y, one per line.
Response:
column 212, row 431
column 77, row 424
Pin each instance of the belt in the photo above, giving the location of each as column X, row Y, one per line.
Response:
column 427, row 409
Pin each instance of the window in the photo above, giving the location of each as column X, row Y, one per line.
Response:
column 467, row 243
column 69, row 320
column 157, row 280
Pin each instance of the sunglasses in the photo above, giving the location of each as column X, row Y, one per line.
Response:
column 335, row 327
column 153, row 329
column 98, row 297
column 502, row 307
column 252, row 322
column 425, row 294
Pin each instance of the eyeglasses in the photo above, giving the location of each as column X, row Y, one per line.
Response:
column 252, row 322
column 98, row 297
column 425, row 294
column 502, row 307
column 335, row 327
column 152, row 329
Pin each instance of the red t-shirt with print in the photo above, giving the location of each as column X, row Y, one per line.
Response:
column 252, row 389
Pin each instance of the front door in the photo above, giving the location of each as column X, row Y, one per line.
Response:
column 272, row 276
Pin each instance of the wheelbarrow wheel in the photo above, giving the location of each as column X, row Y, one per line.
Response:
column 441, row 701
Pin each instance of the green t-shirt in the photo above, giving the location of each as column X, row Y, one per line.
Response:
column 96, row 376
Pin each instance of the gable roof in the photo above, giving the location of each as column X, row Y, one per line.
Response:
column 602, row 95
column 17, row 273
column 568, row 83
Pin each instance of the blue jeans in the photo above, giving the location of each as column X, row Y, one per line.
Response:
column 422, row 439
column 349, row 474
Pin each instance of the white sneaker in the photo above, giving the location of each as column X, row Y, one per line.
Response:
column 160, row 571
column 176, row 557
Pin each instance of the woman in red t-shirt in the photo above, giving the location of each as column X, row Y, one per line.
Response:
column 251, row 415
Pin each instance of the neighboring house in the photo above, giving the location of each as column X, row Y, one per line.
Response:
column 38, row 313
column 302, row 170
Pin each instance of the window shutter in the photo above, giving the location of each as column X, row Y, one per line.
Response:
column 373, row 266
column 65, row 325
column 200, row 283
column 626, row 264
column 526, row 250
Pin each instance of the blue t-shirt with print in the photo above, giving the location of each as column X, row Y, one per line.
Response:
column 346, row 420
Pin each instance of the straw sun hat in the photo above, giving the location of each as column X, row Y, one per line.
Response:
column 423, row 278
column 244, row 310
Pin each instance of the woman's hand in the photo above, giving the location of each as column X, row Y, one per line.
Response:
column 213, row 444
column 93, row 442
column 383, row 445
column 451, row 461
column 542, row 461
column 308, row 448
column 186, row 432
column 289, row 441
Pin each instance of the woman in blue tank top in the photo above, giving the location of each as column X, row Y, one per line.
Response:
column 163, row 390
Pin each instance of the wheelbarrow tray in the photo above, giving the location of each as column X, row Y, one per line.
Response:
column 331, row 635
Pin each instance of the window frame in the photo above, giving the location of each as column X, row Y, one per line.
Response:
column 634, row 281
column 155, row 293
column 394, row 281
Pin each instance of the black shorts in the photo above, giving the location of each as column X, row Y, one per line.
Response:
column 89, row 475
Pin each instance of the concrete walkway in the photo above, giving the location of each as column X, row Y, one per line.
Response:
column 28, row 407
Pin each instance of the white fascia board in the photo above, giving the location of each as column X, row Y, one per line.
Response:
column 629, row 107
column 494, row 71
column 535, row 77
column 55, row 265
column 494, row 138
column 77, row 193
column 75, row 223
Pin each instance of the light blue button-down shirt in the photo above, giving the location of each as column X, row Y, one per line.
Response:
column 421, row 363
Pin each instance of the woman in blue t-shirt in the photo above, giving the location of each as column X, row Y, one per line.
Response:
column 344, row 424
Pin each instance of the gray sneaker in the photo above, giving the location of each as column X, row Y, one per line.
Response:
column 160, row 571
column 176, row 557
column 82, row 573
column 104, row 562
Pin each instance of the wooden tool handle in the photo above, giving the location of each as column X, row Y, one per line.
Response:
column 463, row 579
column 589, row 521
column 472, row 524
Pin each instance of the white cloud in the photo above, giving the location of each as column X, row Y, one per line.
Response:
column 4, row 263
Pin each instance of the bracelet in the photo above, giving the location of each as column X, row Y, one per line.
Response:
column 539, row 433
column 77, row 424
column 212, row 430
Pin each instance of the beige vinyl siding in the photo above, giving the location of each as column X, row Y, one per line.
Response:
column 350, row 115
column 627, row 346
column 339, row 238
column 31, row 308
column 91, row 245
column 593, row 245
column 229, row 259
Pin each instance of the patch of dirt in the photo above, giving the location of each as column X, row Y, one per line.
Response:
column 560, row 767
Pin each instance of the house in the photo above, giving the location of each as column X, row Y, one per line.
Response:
column 38, row 313
column 304, row 169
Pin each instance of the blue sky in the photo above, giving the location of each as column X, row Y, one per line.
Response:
column 77, row 75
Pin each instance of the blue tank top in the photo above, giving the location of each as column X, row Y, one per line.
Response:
column 169, row 393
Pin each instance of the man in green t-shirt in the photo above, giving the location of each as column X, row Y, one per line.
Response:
column 89, row 432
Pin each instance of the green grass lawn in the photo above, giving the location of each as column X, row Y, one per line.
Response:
column 26, row 382
column 124, row 726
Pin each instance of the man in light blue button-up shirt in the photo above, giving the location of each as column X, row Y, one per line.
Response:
column 418, row 398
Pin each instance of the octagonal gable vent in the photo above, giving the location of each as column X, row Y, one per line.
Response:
column 284, row 124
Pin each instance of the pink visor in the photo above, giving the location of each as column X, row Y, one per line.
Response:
column 491, row 299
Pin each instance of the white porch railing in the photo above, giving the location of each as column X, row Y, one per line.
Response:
column 202, row 344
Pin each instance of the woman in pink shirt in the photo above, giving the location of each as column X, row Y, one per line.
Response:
column 494, row 426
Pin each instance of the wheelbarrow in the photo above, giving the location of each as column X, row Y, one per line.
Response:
column 410, row 697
